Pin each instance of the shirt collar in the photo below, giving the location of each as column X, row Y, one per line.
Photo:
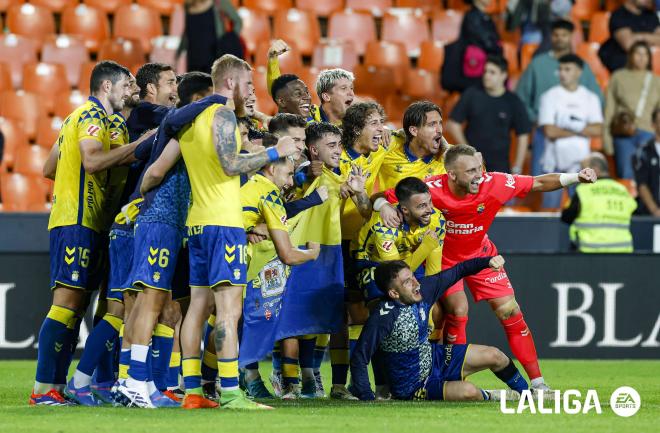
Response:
column 97, row 102
column 413, row 158
column 352, row 153
column 404, row 225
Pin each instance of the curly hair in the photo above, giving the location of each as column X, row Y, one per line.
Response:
column 355, row 120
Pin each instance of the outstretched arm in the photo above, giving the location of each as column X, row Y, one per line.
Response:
column 554, row 181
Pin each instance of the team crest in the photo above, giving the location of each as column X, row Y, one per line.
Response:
column 422, row 314
column 387, row 245
column 268, row 314
column 481, row 208
column 237, row 274
column 398, row 168
column 75, row 275
column 93, row 130
column 156, row 277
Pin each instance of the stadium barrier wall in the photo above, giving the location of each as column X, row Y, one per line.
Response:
column 577, row 306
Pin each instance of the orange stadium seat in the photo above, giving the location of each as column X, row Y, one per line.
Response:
column 373, row 81
column 446, row 25
column 15, row 51
column 178, row 21
column 408, row 26
column 138, row 22
column 22, row 193
column 290, row 62
column 612, row 5
column 578, row 33
column 527, row 54
column 30, row 160
column 55, row 5
column 85, row 75
column 265, row 102
column 256, row 28
column 45, row 80
column 35, row 22
column 309, row 76
column 599, row 30
column 320, row 8
column 389, row 55
column 375, row 7
column 358, row 28
column 589, row 53
column 23, row 107
column 90, row 23
column 163, row 7
column 127, row 52
column 421, row 84
column 48, row 129
column 458, row 5
column 431, row 56
column 164, row 49
column 4, row 4
column 5, row 77
column 15, row 138
column 298, row 27
column 330, row 53
column 583, row 10
column 108, row 6
column 268, row 6
column 67, row 50
column 68, row 101
column 510, row 52
column 655, row 59
column 426, row 5
column 395, row 105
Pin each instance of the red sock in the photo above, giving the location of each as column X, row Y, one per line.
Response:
column 454, row 332
column 522, row 344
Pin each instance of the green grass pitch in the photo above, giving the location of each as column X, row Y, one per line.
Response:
column 329, row 416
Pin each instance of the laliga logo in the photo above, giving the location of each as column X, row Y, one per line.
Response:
column 625, row 402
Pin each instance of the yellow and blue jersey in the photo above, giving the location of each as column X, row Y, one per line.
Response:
column 400, row 163
column 216, row 196
column 262, row 203
column 79, row 198
column 118, row 134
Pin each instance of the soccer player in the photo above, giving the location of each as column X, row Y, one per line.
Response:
column 398, row 331
column 420, row 152
column 76, row 223
column 217, row 243
column 158, row 93
column 469, row 199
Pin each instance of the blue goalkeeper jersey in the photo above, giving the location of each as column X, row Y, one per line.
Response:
column 400, row 334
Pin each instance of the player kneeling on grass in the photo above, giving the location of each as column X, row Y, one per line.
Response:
column 398, row 329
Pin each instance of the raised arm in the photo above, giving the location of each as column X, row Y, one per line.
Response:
column 554, row 181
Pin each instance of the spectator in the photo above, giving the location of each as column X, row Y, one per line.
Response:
column 535, row 18
column 202, row 44
column 478, row 28
column 599, row 213
column 632, row 94
column 569, row 114
column 542, row 74
column 491, row 112
column 647, row 172
column 634, row 21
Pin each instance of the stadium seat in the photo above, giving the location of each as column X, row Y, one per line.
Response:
column 23, row 107
column 15, row 138
column 630, row 185
column 409, row 26
column 510, row 52
column 446, row 25
column 55, row 5
column 268, row 6
column 612, row 5
column 599, row 30
column 431, row 56
column 374, row 7
column 163, row 7
column 290, row 62
column 90, row 23
column 589, row 53
column 164, row 48
column 67, row 50
column 526, row 54
column 373, row 81
column 334, row 54
column 448, row 105
column 4, row 4
column 68, row 102
column 395, row 105
column 128, row 52
column 178, row 21
column 34, row 22
column 15, row 51
column 358, row 28
column 421, row 84
column 299, row 27
column 45, row 80
column 256, row 28
column 427, row 6
column 265, row 103
column 578, row 33
column 85, row 75
column 5, row 77
column 309, row 76
column 583, row 10
column 459, row 5
column 30, row 160
column 320, row 8
column 137, row 22
column 389, row 55
column 22, row 193
column 655, row 60
column 48, row 129
column 108, row 6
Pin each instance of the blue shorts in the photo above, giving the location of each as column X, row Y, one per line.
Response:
column 218, row 255
column 76, row 257
column 157, row 248
column 121, row 260
column 448, row 360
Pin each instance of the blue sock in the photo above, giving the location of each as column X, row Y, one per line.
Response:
column 62, row 371
column 306, row 352
column 52, row 340
column 106, row 371
column 138, row 367
column 162, row 344
column 277, row 357
column 512, row 377
column 100, row 344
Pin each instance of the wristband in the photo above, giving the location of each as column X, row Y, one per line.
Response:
column 379, row 203
column 272, row 154
column 567, row 179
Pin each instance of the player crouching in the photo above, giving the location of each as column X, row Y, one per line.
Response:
column 398, row 329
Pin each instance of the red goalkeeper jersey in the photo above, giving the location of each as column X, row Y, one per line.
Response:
column 469, row 218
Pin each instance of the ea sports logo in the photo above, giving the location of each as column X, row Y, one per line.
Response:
column 625, row 401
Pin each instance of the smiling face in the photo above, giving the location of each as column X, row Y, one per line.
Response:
column 340, row 97
column 371, row 135
column 466, row 174
column 327, row 150
column 282, row 174
column 165, row 91
column 428, row 137
column 134, row 99
column 119, row 93
column 295, row 99
column 405, row 288
column 242, row 90
column 417, row 210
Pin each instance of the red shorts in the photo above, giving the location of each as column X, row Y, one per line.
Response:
column 486, row 284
